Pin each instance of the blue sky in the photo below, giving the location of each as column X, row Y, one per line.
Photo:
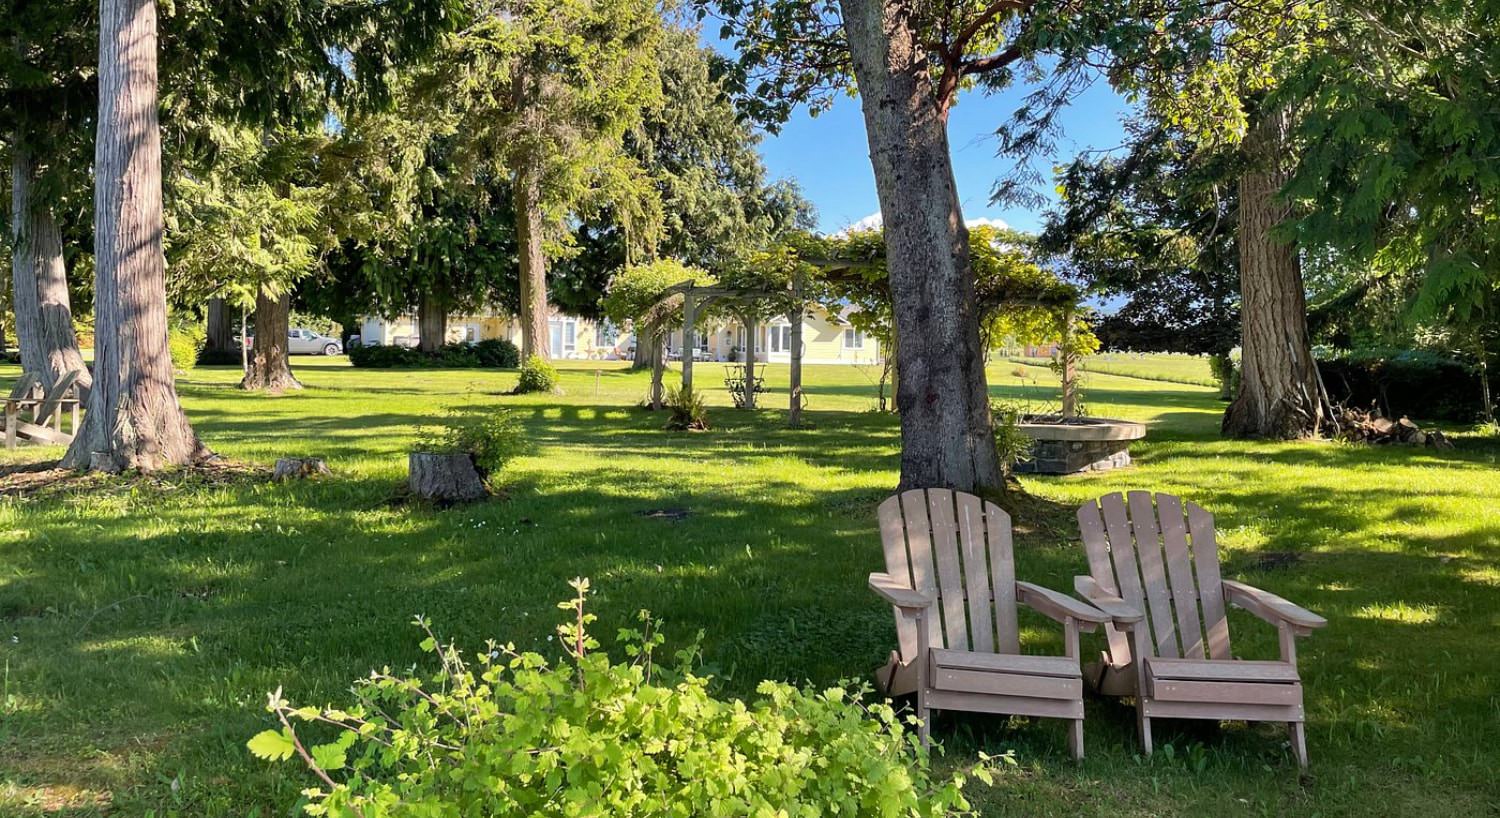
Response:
column 829, row 157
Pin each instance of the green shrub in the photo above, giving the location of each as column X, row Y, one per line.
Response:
column 502, row 733
column 537, row 376
column 184, row 344
column 490, row 353
column 219, row 357
column 492, row 438
column 1011, row 444
column 1417, row 383
column 1226, row 374
column 498, row 352
column 687, row 409
column 457, row 355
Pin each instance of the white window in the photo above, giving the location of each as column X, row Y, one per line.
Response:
column 564, row 335
column 781, row 338
column 854, row 338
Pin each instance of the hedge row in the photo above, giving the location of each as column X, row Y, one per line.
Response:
column 1405, row 382
column 493, row 352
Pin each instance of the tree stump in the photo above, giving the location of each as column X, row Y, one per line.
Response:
column 445, row 478
column 292, row 468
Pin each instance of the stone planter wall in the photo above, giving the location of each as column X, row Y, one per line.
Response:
column 1072, row 456
column 1078, row 445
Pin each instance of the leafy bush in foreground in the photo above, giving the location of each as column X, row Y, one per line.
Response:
column 509, row 734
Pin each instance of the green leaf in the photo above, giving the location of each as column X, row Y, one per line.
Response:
column 272, row 745
column 328, row 756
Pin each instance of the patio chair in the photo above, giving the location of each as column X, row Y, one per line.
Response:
column 950, row 577
column 1168, row 639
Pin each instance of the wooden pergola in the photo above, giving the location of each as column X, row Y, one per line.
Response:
column 695, row 298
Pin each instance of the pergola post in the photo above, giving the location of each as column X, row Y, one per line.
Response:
column 794, row 411
column 688, row 344
column 658, row 364
column 749, row 361
column 1069, row 368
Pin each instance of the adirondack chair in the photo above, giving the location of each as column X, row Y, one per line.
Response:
column 950, row 577
column 28, row 415
column 1143, row 558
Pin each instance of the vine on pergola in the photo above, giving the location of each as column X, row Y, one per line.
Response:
column 1016, row 297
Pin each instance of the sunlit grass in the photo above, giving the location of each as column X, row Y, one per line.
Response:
column 143, row 625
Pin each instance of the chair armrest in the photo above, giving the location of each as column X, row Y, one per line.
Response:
column 899, row 593
column 1123, row 613
column 1270, row 607
column 1058, row 607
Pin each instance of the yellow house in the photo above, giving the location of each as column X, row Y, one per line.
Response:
column 571, row 337
column 826, row 339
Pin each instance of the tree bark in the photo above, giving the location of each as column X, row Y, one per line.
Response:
column 644, row 344
column 44, row 315
column 946, row 437
column 134, row 418
column 220, row 332
column 270, row 365
column 1280, row 394
column 444, row 478
column 432, row 323
column 533, row 261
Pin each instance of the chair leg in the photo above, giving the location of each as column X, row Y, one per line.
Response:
column 924, row 717
column 1145, row 725
column 1299, row 742
column 1075, row 739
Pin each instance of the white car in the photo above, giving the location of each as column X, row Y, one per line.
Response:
column 303, row 341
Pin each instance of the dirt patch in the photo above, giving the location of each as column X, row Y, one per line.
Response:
column 46, row 478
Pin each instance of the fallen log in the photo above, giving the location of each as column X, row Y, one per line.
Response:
column 1370, row 426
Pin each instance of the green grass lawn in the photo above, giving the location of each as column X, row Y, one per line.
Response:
column 144, row 623
column 1152, row 366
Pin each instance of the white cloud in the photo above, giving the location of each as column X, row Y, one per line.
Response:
column 874, row 221
column 870, row 222
column 997, row 223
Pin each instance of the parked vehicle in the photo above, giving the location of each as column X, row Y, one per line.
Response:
column 303, row 341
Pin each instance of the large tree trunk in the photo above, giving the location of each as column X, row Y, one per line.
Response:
column 432, row 323
column 220, row 332
column 528, row 196
column 134, row 418
column 946, row 437
column 270, row 365
column 44, row 316
column 1280, row 394
column 644, row 347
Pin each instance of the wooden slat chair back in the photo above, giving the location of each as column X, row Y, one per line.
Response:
column 28, row 413
column 1154, row 565
column 951, row 579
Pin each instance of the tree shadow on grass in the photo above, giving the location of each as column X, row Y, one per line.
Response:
column 169, row 614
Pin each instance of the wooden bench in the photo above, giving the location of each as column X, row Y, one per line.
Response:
column 36, row 416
